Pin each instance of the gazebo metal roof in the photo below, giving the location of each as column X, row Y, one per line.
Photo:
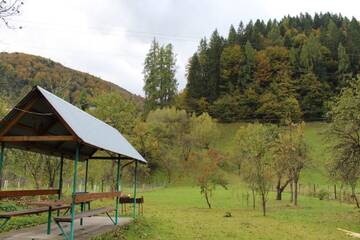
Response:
column 42, row 122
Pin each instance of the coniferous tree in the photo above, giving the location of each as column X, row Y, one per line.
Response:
column 232, row 37
column 343, row 68
column 214, row 53
column 241, row 34
column 247, row 70
column 159, row 76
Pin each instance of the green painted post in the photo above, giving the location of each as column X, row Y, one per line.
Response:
column 85, row 188
column 60, row 179
column 117, row 190
column 49, row 223
column 2, row 158
column 86, row 174
column 135, row 181
column 72, row 225
column 61, row 176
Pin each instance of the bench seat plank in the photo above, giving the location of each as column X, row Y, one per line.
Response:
column 31, row 211
column 61, row 207
column 84, row 214
column 23, row 212
column 87, row 197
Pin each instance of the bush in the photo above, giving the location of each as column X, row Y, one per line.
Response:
column 7, row 207
column 323, row 194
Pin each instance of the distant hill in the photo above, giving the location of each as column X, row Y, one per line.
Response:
column 19, row 72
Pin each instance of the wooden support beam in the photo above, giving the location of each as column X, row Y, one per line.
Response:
column 37, row 138
column 127, row 164
column 111, row 158
column 19, row 115
column 20, row 125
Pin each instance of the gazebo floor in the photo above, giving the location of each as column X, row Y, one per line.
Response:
column 92, row 227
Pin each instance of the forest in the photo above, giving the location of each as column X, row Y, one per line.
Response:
column 273, row 70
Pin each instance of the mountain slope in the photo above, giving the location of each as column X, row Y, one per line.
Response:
column 19, row 72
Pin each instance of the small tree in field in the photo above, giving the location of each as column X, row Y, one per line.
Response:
column 290, row 157
column 168, row 126
column 209, row 173
column 203, row 130
column 253, row 142
column 343, row 137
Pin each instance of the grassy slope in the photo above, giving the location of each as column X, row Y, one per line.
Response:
column 319, row 153
column 180, row 213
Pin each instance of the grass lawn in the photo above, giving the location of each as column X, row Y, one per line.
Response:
column 181, row 213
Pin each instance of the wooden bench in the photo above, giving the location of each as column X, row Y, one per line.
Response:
column 27, row 193
column 89, row 213
column 81, row 198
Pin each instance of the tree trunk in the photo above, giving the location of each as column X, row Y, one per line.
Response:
column 263, row 201
column 353, row 195
column 207, row 199
column 253, row 197
column 169, row 176
column 295, row 191
column 341, row 193
column 335, row 195
column 280, row 189
column 37, row 182
column 291, row 192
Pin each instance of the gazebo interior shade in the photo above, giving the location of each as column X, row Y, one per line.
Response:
column 44, row 114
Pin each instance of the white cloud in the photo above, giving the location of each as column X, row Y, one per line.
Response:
column 110, row 38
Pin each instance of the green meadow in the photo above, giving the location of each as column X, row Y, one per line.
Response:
column 179, row 212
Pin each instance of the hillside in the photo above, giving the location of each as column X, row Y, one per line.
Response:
column 19, row 72
column 314, row 137
column 272, row 69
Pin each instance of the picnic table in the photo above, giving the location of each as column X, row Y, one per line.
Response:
column 130, row 200
column 51, row 205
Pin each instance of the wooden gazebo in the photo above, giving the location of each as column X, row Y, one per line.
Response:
column 44, row 123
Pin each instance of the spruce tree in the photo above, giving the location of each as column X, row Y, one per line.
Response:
column 152, row 76
column 232, row 37
column 159, row 76
column 215, row 49
column 343, row 69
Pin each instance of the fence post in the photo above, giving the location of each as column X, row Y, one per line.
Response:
column 135, row 181
column 2, row 158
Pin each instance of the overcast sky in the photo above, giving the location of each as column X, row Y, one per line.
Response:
column 110, row 38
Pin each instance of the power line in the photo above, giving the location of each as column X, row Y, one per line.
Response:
column 116, row 30
column 34, row 113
